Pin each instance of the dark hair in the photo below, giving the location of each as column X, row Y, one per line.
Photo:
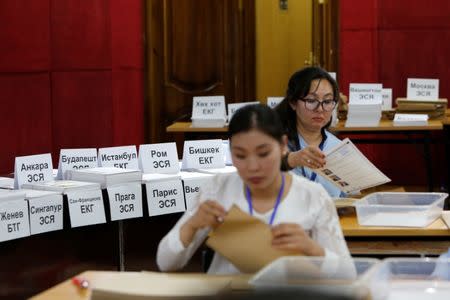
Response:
column 256, row 116
column 298, row 87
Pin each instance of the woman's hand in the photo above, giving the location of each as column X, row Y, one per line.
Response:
column 292, row 238
column 310, row 156
column 209, row 214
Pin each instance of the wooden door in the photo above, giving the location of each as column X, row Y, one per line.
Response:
column 283, row 43
column 196, row 48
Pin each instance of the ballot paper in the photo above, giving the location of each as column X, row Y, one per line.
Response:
column 245, row 241
column 348, row 169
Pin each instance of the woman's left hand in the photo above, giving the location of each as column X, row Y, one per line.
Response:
column 292, row 238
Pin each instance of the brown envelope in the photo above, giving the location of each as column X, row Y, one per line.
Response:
column 245, row 241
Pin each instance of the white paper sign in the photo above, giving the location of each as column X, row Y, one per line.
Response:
column 192, row 189
column 422, row 89
column 410, row 117
column 74, row 159
column 159, row 158
column 86, row 207
column 14, row 222
column 274, row 101
column 387, row 99
column 46, row 213
column 32, row 168
column 125, row 201
column 165, row 197
column 208, row 107
column 233, row 107
column 227, row 153
column 333, row 75
column 203, row 154
column 124, row 157
column 366, row 93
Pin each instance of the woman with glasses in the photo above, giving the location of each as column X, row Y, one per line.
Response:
column 306, row 112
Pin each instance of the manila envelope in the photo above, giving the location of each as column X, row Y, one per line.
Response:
column 245, row 241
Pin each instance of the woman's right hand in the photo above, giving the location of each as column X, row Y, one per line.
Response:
column 310, row 156
column 209, row 214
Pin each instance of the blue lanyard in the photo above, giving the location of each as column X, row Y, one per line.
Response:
column 313, row 174
column 277, row 202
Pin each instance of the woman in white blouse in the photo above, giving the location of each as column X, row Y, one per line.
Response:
column 301, row 213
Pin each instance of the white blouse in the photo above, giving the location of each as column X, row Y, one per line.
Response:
column 306, row 203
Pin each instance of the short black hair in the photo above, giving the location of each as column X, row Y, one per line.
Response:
column 256, row 116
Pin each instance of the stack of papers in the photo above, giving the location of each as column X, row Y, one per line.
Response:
column 226, row 170
column 34, row 194
column 194, row 175
column 11, row 195
column 209, row 123
column 61, row 186
column 105, row 176
column 410, row 119
column 155, row 177
column 363, row 114
column 6, row 183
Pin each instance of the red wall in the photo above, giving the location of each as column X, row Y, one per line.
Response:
column 71, row 75
column 385, row 41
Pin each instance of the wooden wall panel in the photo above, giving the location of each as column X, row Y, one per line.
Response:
column 283, row 44
column 196, row 52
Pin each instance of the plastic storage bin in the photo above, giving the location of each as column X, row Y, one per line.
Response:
column 399, row 209
column 411, row 279
column 337, row 276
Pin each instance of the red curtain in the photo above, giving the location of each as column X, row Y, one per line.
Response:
column 71, row 75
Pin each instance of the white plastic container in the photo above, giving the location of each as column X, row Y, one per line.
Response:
column 400, row 209
column 411, row 279
column 336, row 276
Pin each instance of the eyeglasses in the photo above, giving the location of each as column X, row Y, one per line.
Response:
column 313, row 104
